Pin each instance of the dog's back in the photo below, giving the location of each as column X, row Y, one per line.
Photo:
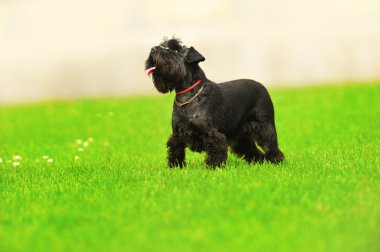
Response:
column 250, row 97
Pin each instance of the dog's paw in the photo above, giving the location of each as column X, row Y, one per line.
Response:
column 275, row 157
column 215, row 161
column 177, row 164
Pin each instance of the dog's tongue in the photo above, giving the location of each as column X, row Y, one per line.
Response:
column 150, row 70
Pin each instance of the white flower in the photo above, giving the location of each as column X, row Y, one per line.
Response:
column 16, row 164
column 1, row 160
column 76, row 158
column 80, row 149
column 90, row 139
column 85, row 144
column 50, row 160
column 45, row 157
column 79, row 141
column 17, row 157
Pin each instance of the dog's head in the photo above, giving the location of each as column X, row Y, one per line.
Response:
column 171, row 63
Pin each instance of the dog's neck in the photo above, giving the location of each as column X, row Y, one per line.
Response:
column 195, row 76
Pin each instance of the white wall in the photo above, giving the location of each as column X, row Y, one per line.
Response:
column 57, row 49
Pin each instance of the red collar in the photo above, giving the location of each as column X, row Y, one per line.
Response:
column 189, row 88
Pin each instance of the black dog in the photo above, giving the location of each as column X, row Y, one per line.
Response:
column 210, row 117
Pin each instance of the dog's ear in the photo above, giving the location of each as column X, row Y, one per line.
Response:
column 193, row 56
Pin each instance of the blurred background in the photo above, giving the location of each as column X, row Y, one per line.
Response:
column 82, row 48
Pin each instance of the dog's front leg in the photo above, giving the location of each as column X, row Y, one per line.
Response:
column 176, row 152
column 215, row 144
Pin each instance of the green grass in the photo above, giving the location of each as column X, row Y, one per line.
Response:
column 120, row 196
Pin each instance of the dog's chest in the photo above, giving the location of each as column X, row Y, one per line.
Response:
column 191, row 124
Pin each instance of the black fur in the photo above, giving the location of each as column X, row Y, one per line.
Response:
column 237, row 113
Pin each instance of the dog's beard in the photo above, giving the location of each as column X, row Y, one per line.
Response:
column 163, row 85
column 169, row 71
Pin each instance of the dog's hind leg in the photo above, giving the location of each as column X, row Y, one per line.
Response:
column 176, row 152
column 266, row 137
column 246, row 148
column 215, row 145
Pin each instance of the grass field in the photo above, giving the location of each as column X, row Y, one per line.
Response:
column 91, row 175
